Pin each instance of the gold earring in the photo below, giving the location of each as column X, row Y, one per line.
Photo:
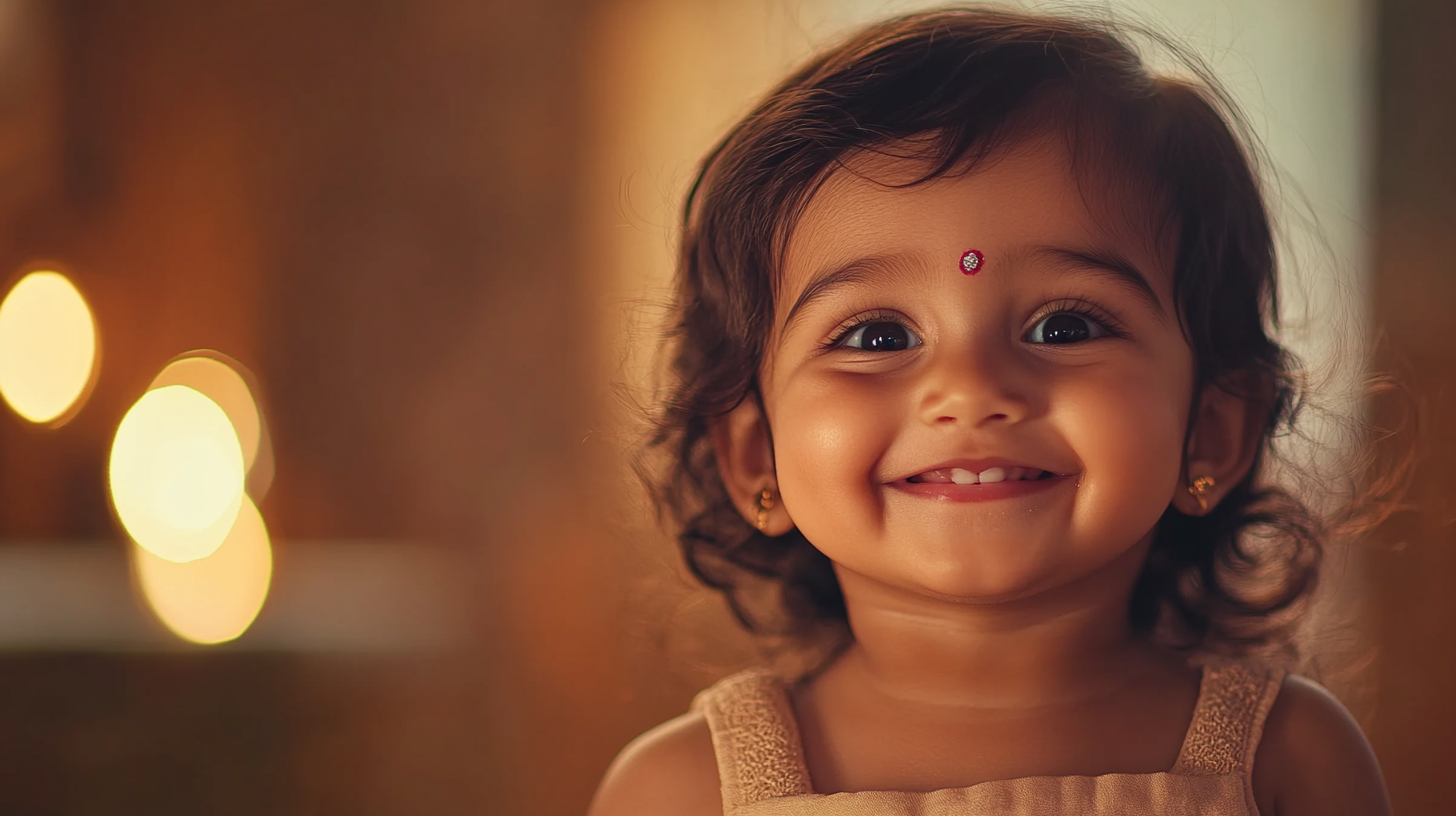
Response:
column 765, row 504
column 1200, row 486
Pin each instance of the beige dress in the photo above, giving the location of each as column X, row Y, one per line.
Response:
column 761, row 761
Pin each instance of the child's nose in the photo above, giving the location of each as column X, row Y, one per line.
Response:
column 975, row 386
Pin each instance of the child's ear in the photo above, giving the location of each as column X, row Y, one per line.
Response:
column 745, row 461
column 1228, row 429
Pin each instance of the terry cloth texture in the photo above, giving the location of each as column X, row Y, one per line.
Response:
column 762, row 770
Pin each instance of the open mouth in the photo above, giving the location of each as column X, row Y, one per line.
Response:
column 961, row 476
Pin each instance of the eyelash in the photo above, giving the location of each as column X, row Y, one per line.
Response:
column 848, row 327
column 1081, row 308
column 1072, row 306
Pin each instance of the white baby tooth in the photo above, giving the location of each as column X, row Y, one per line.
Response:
column 1015, row 474
column 993, row 475
column 961, row 476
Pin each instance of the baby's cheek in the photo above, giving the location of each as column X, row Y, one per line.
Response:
column 826, row 449
column 1131, row 451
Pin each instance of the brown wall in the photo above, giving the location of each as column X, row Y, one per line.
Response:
column 1413, row 566
column 372, row 206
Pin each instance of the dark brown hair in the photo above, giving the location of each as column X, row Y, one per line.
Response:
column 954, row 86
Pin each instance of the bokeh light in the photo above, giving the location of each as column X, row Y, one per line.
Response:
column 177, row 473
column 219, row 380
column 229, row 384
column 212, row 599
column 47, row 347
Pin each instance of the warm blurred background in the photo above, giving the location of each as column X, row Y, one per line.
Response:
column 413, row 254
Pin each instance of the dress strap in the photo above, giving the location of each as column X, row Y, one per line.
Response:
column 1234, row 699
column 755, row 738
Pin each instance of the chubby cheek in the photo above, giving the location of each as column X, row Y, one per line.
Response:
column 1131, row 448
column 828, row 437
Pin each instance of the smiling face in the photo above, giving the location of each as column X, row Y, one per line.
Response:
column 891, row 376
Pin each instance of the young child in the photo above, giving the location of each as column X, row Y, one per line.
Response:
column 973, row 366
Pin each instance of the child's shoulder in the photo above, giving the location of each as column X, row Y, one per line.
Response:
column 670, row 770
column 1313, row 757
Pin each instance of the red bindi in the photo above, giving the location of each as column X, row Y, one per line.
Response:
column 971, row 261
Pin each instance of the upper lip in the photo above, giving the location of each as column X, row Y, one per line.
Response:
column 975, row 466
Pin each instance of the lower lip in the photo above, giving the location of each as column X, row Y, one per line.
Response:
column 979, row 492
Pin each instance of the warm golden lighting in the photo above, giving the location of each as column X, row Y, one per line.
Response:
column 177, row 473
column 220, row 382
column 47, row 346
column 216, row 598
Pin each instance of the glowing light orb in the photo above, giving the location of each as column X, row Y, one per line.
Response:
column 47, row 346
column 221, row 383
column 177, row 473
column 212, row 599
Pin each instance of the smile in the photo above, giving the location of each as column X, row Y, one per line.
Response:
column 990, row 475
column 979, row 480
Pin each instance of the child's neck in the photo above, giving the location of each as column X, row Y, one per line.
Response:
column 1054, row 648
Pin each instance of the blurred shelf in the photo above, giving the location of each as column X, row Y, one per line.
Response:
column 326, row 596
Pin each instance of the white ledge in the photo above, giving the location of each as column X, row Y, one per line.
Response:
column 326, row 596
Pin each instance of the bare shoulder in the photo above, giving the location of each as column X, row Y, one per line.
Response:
column 668, row 771
column 1313, row 758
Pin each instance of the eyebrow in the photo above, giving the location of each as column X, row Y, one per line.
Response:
column 823, row 285
column 1107, row 263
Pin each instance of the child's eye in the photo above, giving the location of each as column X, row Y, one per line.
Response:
column 1066, row 327
column 880, row 335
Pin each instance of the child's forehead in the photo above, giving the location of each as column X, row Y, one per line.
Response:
column 1030, row 193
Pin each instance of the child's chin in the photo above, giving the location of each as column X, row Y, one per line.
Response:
column 983, row 583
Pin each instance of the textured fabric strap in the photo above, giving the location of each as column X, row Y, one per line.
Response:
column 755, row 737
column 1233, row 701
column 762, row 770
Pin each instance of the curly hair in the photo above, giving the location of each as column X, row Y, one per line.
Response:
column 955, row 86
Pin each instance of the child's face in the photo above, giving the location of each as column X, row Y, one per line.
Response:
column 953, row 370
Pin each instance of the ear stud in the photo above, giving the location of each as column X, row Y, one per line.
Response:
column 765, row 504
column 1200, row 486
column 972, row 261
